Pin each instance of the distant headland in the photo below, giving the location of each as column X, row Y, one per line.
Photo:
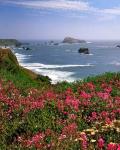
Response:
column 10, row 42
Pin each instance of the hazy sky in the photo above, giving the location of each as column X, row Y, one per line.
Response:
column 55, row 19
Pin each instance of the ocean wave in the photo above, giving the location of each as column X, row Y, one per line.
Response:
column 104, row 46
column 51, row 70
column 87, row 54
column 68, row 50
column 90, row 54
column 116, row 63
column 22, row 57
column 43, row 66
column 56, row 76
column 89, row 42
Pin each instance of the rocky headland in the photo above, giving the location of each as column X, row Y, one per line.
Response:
column 9, row 42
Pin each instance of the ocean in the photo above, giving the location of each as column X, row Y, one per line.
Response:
column 62, row 62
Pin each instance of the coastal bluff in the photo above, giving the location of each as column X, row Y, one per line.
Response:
column 71, row 40
column 9, row 62
column 10, row 42
column 7, row 55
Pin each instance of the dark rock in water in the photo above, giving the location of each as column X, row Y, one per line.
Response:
column 118, row 46
column 26, row 48
column 51, row 42
column 56, row 43
column 83, row 50
column 71, row 40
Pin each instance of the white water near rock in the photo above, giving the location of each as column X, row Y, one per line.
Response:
column 49, row 70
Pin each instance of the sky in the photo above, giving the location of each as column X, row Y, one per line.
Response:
column 56, row 19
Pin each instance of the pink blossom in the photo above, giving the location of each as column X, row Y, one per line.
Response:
column 91, row 86
column 85, row 95
column 103, row 95
column 84, row 141
column 73, row 116
column 70, row 129
column 101, row 143
column 112, row 146
column 118, row 148
column 94, row 115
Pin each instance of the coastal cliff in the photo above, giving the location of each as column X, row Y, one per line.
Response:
column 7, row 55
column 10, row 69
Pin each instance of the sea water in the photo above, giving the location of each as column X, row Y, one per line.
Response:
column 62, row 62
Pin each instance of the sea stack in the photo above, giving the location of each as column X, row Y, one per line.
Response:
column 84, row 51
column 71, row 40
column 118, row 46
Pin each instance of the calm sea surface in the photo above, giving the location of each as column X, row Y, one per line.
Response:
column 63, row 62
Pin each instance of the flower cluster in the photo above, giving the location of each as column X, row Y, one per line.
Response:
column 86, row 118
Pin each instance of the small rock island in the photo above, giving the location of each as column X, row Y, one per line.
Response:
column 84, row 51
column 118, row 46
column 71, row 40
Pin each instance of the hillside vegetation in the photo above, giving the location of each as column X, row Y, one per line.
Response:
column 21, row 77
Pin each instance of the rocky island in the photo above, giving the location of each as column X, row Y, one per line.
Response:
column 84, row 51
column 9, row 42
column 71, row 40
column 118, row 46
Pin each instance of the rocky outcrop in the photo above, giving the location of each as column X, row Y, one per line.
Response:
column 27, row 48
column 118, row 46
column 56, row 44
column 71, row 40
column 9, row 42
column 84, row 51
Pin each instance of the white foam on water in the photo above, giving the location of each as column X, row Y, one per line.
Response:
column 56, row 76
column 105, row 46
column 90, row 54
column 68, row 50
column 50, row 70
column 21, row 57
column 89, row 42
column 87, row 54
column 116, row 63
column 43, row 66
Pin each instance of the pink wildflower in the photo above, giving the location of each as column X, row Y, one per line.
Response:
column 112, row 146
column 101, row 143
column 84, row 141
